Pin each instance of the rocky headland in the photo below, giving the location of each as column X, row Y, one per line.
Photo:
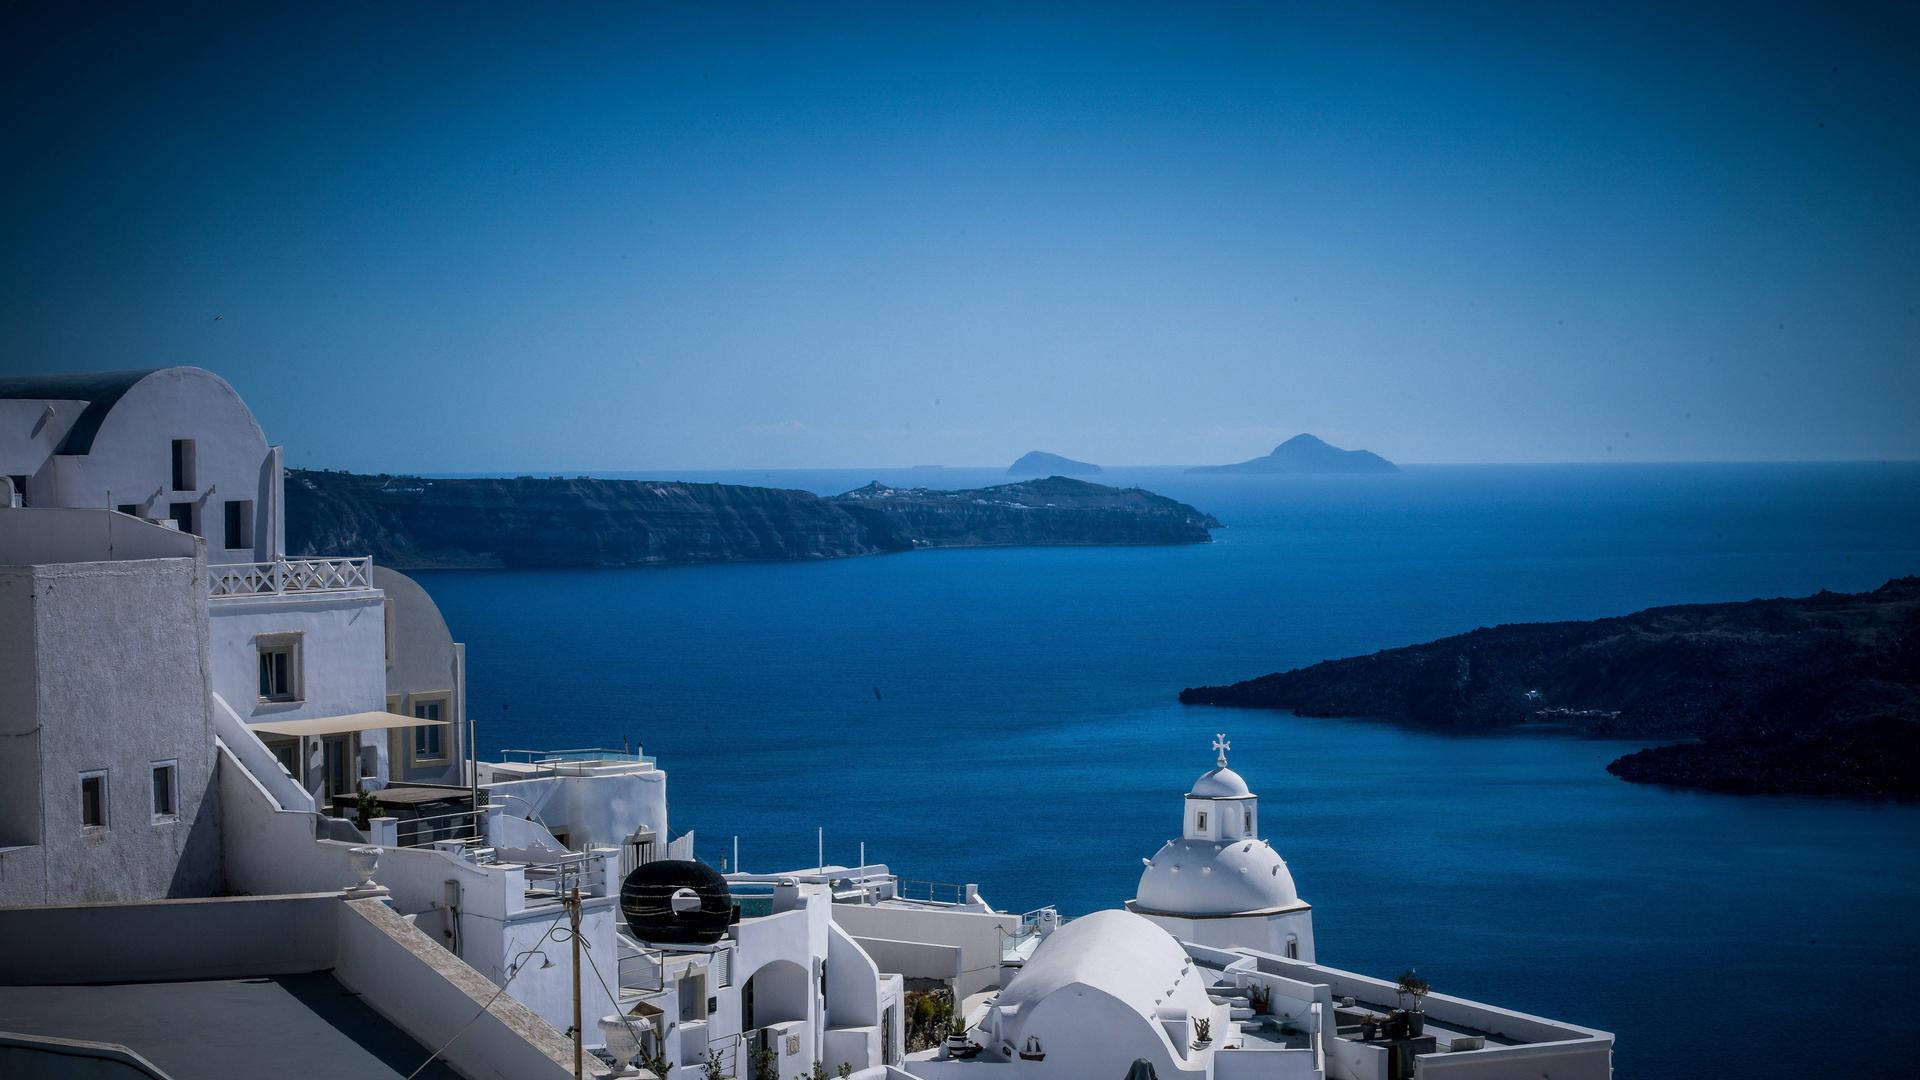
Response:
column 1056, row 510
column 418, row 523
column 1808, row 695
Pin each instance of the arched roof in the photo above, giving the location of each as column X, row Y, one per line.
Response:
column 101, row 390
column 1117, row 952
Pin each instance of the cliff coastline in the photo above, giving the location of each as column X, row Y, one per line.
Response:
column 1807, row 695
column 421, row 523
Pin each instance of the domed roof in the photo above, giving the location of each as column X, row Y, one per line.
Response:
column 1125, row 957
column 1205, row 877
column 1220, row 782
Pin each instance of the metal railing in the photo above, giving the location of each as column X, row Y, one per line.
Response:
column 466, row 826
column 587, row 870
column 290, row 576
column 584, row 756
column 643, row 971
column 934, row 892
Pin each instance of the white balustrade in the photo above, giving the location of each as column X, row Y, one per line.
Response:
column 289, row 576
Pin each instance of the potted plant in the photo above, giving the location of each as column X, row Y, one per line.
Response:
column 1412, row 990
column 1261, row 998
column 957, row 1044
column 1202, row 1033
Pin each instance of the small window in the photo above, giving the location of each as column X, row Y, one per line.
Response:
column 279, row 667
column 1200, row 821
column 19, row 490
column 1249, row 829
column 239, row 523
column 182, row 515
column 129, row 509
column 429, row 739
column 166, row 791
column 184, row 465
column 93, row 800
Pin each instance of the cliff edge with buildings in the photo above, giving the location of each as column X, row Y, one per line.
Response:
column 418, row 523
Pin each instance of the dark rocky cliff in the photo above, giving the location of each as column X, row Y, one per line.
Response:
column 1056, row 510
column 1817, row 694
column 414, row 523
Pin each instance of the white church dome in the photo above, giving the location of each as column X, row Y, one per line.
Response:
column 1207, row 877
column 1220, row 782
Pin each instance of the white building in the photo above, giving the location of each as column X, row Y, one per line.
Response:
column 187, row 713
column 1220, row 883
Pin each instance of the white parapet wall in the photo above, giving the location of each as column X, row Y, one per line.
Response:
column 938, row 942
column 413, row 983
column 431, row 995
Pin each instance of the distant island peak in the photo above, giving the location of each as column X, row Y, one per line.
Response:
column 1042, row 463
column 1307, row 454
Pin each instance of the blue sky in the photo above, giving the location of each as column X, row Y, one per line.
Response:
column 451, row 238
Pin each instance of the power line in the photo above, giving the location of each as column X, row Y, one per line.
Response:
column 513, row 969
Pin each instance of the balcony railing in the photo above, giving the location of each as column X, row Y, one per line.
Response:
column 291, row 577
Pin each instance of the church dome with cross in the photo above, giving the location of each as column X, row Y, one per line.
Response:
column 1219, row 880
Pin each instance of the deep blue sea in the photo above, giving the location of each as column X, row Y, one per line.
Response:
column 1026, row 734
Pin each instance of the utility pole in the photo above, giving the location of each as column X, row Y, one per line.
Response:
column 573, row 918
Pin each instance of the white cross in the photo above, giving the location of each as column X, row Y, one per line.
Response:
column 1221, row 744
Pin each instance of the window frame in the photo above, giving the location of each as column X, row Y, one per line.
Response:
column 1199, row 821
column 172, row 811
column 443, row 699
column 292, row 643
column 106, row 802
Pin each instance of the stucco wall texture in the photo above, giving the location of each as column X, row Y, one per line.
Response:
column 90, row 711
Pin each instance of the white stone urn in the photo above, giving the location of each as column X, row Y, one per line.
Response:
column 621, row 1045
column 362, row 860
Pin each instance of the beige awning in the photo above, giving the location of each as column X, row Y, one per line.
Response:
column 335, row 725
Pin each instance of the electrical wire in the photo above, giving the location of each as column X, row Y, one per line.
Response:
column 586, row 949
column 514, row 968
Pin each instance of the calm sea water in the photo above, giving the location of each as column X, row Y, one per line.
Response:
column 1026, row 736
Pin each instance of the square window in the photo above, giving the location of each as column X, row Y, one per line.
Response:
column 279, row 667
column 166, row 790
column 185, row 467
column 129, row 509
column 93, row 800
column 182, row 515
column 239, row 523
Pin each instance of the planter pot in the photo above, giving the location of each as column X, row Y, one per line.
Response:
column 1416, row 1023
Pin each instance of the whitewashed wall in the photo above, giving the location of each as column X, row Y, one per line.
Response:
column 70, row 628
column 131, row 458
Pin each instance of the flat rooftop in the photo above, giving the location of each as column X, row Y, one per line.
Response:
column 286, row 1026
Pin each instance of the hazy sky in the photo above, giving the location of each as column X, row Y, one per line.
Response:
column 567, row 237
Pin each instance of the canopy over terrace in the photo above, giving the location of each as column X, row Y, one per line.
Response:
column 349, row 722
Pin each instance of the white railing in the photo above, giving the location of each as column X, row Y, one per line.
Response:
column 283, row 576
